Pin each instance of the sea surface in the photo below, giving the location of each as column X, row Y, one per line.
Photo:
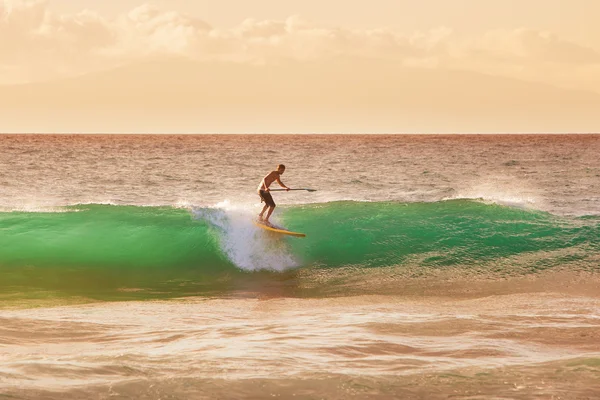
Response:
column 434, row 267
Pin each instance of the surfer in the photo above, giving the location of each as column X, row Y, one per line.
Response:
column 263, row 192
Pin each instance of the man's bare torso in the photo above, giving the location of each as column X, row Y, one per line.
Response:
column 270, row 178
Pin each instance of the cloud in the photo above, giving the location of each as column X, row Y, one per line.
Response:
column 28, row 27
column 36, row 44
column 527, row 45
column 149, row 30
column 44, row 45
column 529, row 54
column 36, row 32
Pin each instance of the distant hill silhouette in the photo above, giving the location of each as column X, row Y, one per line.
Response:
column 340, row 94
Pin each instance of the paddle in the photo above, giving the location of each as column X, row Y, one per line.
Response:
column 285, row 190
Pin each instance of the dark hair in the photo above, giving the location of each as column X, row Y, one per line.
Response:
column 281, row 166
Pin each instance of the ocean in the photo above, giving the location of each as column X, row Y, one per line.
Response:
column 434, row 266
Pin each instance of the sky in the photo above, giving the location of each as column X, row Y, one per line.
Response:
column 324, row 66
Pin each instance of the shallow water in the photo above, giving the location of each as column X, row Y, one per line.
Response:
column 255, row 348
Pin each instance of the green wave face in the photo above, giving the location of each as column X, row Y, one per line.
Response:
column 98, row 249
column 113, row 252
column 449, row 233
column 107, row 236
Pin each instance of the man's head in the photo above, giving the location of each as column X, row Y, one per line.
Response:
column 281, row 168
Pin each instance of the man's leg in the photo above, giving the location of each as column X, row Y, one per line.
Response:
column 269, row 214
column 260, row 216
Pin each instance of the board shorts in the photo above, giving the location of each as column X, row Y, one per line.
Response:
column 266, row 197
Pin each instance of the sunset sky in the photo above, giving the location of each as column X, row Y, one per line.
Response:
column 304, row 66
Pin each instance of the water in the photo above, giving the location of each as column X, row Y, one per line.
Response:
column 554, row 173
column 432, row 265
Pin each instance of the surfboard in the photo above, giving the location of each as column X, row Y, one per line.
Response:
column 277, row 229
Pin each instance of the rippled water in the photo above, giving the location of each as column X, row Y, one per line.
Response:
column 556, row 173
column 268, row 347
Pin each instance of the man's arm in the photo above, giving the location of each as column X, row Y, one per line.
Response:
column 281, row 184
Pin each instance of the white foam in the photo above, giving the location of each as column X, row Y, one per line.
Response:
column 516, row 202
column 502, row 191
column 247, row 246
column 26, row 208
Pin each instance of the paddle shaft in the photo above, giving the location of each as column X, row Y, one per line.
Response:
column 285, row 190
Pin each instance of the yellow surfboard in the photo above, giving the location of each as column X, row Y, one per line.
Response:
column 278, row 230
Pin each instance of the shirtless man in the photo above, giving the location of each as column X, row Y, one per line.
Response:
column 263, row 192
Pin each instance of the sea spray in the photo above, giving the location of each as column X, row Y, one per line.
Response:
column 246, row 246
